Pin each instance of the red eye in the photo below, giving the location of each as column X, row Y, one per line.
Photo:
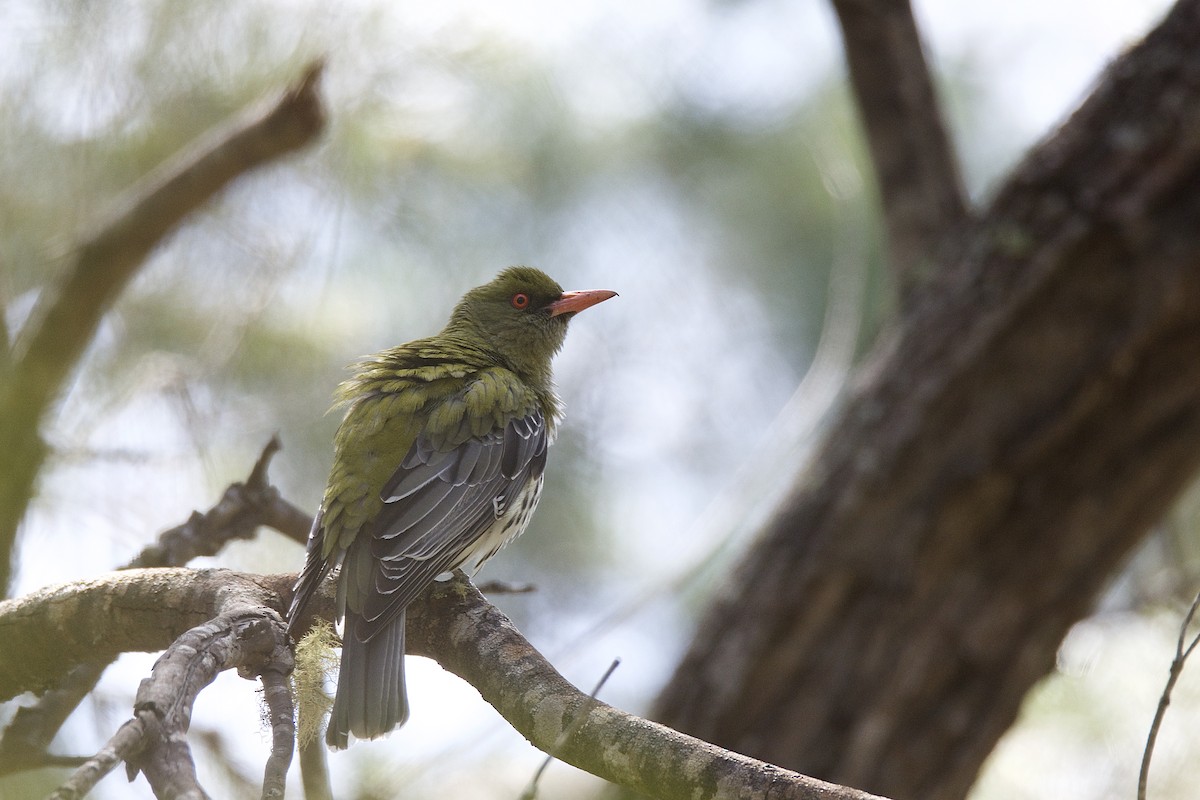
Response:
column 520, row 301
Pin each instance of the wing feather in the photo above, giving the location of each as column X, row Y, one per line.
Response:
column 437, row 505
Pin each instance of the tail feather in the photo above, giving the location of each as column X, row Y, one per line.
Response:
column 371, row 698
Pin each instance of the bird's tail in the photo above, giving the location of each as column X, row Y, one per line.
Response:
column 371, row 698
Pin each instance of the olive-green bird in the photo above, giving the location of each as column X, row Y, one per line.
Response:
column 438, row 464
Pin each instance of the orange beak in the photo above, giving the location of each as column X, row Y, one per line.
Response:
column 574, row 302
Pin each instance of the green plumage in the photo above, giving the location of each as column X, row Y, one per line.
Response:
column 399, row 394
column 438, row 463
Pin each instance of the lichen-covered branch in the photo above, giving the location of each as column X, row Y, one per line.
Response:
column 247, row 635
column 453, row 623
column 468, row 636
column 250, row 638
column 59, row 330
column 50, row 631
column 242, row 509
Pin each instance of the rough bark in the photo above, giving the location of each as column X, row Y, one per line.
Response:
column 1034, row 412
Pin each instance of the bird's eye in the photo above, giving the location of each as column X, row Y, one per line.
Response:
column 520, row 301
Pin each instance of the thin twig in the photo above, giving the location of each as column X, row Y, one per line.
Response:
column 1181, row 656
column 505, row 587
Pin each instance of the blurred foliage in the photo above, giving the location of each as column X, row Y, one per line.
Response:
column 452, row 152
column 704, row 162
column 454, row 149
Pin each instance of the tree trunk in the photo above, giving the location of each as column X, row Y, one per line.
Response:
column 1031, row 415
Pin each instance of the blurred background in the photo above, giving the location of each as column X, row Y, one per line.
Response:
column 700, row 158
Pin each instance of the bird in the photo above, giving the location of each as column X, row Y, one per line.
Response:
column 438, row 464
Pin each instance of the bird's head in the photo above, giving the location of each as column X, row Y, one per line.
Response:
column 522, row 314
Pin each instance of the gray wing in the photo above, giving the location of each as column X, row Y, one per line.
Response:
column 315, row 570
column 436, row 505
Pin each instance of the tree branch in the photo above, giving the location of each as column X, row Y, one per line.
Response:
column 453, row 623
column 468, row 636
column 277, row 693
column 924, row 203
column 242, row 509
column 65, row 318
column 123, row 744
column 246, row 637
column 131, row 611
column 245, row 631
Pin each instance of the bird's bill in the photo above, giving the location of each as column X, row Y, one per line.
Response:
column 573, row 302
